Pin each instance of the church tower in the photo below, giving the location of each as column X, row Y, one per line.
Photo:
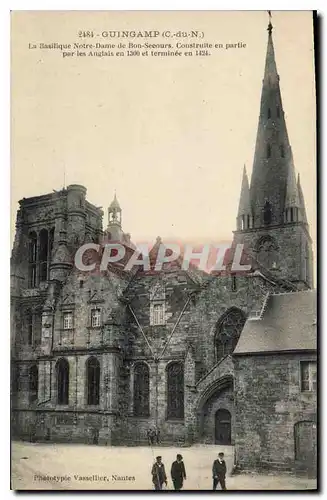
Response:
column 271, row 219
column 114, row 230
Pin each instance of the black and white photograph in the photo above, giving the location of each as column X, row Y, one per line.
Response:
column 163, row 304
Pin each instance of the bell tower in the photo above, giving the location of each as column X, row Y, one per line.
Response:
column 271, row 219
column 114, row 231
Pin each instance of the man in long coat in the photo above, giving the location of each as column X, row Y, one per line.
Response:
column 178, row 473
column 158, row 474
column 219, row 472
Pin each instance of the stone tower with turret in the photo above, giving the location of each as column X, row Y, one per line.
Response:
column 271, row 219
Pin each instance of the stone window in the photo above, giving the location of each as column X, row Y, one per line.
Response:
column 267, row 253
column 157, row 314
column 228, row 331
column 32, row 259
column 308, row 376
column 29, row 326
column 68, row 320
column 95, row 318
column 62, row 371
column 175, row 391
column 43, row 255
column 157, row 304
column 33, row 383
column 282, row 151
column 33, row 327
column 267, row 214
column 269, row 113
column 40, row 250
column 141, row 390
column 268, row 150
column 93, row 381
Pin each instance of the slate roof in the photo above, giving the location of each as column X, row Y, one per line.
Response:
column 288, row 324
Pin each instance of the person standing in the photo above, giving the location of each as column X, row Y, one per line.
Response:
column 219, row 472
column 158, row 474
column 178, row 473
column 148, row 433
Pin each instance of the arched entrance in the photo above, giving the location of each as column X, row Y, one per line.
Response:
column 223, row 427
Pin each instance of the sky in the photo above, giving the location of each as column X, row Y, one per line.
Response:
column 170, row 135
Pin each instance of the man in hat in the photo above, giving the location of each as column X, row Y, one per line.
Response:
column 158, row 474
column 178, row 473
column 219, row 472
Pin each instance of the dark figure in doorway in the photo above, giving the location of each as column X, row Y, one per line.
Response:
column 158, row 435
column 151, row 436
column 158, row 474
column 178, row 473
column 219, row 472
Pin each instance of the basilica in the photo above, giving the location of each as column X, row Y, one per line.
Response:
column 102, row 357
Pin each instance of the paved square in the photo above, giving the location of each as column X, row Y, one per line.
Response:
column 87, row 467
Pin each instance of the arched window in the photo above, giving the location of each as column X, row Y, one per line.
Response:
column 175, row 391
column 43, row 255
column 267, row 213
column 228, row 331
column 29, row 328
column 267, row 252
column 32, row 258
column 51, row 240
column 33, row 382
column 93, row 381
column 62, row 368
column 141, row 390
column 268, row 151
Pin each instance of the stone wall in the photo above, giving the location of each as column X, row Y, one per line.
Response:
column 268, row 402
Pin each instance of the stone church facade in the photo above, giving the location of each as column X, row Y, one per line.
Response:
column 102, row 357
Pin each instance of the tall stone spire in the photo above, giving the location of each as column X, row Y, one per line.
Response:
column 271, row 219
column 273, row 154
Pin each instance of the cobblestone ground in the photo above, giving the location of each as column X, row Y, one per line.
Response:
column 126, row 468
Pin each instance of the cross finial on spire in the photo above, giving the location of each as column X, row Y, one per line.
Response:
column 270, row 26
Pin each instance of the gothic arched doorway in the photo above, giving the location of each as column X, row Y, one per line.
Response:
column 222, row 427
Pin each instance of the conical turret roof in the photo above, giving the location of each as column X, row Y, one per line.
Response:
column 244, row 207
column 114, row 205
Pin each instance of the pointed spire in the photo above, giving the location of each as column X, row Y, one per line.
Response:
column 244, row 207
column 273, row 154
column 271, row 75
column 270, row 26
column 301, row 201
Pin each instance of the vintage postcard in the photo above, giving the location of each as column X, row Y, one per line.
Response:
column 163, row 303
